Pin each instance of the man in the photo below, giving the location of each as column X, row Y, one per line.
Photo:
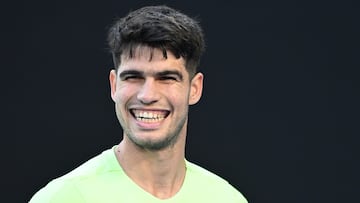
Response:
column 156, row 52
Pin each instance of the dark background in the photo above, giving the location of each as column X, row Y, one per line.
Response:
column 279, row 117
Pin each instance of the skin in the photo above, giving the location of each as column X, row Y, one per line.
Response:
column 153, row 147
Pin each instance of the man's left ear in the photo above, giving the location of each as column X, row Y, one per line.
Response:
column 196, row 88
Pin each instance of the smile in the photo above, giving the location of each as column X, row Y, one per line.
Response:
column 149, row 116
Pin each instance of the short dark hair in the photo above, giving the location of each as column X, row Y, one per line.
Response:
column 158, row 27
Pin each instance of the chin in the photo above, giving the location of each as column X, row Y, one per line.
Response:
column 154, row 144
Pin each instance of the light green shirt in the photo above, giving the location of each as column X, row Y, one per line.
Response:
column 102, row 180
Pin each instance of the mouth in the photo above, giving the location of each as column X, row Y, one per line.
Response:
column 149, row 116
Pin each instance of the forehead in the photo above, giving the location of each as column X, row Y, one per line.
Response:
column 148, row 58
column 140, row 51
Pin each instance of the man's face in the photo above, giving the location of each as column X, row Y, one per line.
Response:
column 152, row 95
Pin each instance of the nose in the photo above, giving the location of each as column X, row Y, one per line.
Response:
column 148, row 92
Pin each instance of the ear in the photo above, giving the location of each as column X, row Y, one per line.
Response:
column 196, row 88
column 112, row 80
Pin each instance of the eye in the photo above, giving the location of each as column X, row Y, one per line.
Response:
column 169, row 76
column 165, row 78
column 131, row 77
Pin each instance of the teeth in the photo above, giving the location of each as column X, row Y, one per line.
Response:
column 146, row 116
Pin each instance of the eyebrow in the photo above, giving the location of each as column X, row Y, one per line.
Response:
column 130, row 72
column 157, row 74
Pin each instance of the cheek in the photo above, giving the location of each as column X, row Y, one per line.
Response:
column 122, row 94
column 179, row 97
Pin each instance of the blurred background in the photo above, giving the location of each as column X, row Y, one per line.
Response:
column 279, row 116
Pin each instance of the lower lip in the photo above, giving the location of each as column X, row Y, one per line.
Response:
column 148, row 125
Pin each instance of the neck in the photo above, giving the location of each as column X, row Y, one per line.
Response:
column 161, row 172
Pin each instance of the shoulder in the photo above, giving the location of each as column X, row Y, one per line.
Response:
column 57, row 191
column 212, row 184
column 68, row 187
column 199, row 173
column 100, row 164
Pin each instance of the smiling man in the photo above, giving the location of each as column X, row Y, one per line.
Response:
column 152, row 94
column 156, row 52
